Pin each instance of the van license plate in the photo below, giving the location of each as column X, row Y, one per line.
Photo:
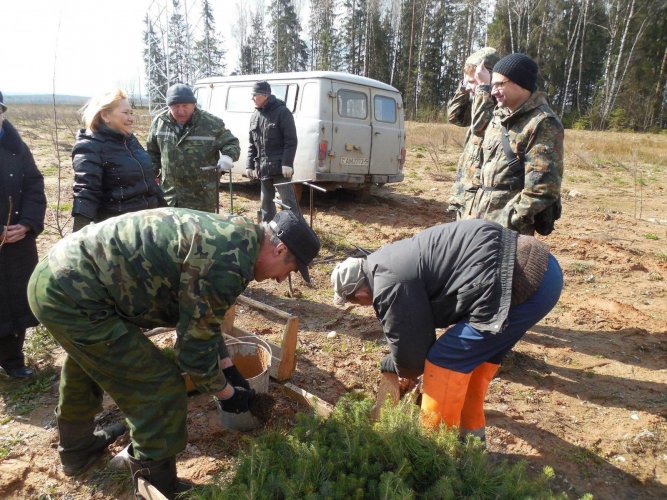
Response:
column 354, row 162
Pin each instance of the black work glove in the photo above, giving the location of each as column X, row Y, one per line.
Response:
column 234, row 377
column 387, row 365
column 239, row 402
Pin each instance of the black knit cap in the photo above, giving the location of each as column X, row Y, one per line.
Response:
column 519, row 68
column 262, row 88
column 180, row 94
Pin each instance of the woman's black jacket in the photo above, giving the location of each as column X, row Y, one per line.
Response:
column 113, row 175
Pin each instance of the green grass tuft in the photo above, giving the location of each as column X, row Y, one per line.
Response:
column 39, row 343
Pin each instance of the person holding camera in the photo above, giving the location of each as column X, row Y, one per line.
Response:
column 472, row 107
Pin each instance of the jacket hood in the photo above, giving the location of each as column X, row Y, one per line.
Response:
column 11, row 140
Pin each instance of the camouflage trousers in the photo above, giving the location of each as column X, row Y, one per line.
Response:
column 106, row 353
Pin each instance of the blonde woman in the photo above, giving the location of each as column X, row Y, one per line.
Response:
column 113, row 174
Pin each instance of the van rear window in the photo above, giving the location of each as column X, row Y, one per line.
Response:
column 384, row 109
column 352, row 104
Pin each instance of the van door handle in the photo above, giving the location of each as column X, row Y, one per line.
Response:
column 378, row 133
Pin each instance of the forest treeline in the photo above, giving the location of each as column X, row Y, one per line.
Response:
column 603, row 63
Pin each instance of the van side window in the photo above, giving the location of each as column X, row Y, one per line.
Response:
column 239, row 99
column 202, row 94
column 352, row 104
column 384, row 109
column 285, row 92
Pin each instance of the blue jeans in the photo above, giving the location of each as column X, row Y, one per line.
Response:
column 462, row 348
column 287, row 196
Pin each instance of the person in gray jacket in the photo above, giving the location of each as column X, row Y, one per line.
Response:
column 484, row 283
column 271, row 150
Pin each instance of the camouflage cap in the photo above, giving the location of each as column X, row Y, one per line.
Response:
column 298, row 236
column 487, row 55
column 346, row 278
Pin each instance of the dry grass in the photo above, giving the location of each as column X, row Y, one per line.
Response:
column 613, row 171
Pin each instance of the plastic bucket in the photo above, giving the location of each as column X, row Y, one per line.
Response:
column 253, row 360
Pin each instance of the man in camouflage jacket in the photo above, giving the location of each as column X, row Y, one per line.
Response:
column 166, row 267
column 513, row 195
column 472, row 106
column 181, row 141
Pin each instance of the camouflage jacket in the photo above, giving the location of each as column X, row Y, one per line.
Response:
column 458, row 108
column 167, row 267
column 513, row 196
column 467, row 172
column 178, row 158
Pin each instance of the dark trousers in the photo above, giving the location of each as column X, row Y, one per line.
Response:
column 11, row 350
column 463, row 348
column 268, row 192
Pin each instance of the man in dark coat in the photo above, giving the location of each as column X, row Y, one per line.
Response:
column 484, row 283
column 22, row 208
column 271, row 150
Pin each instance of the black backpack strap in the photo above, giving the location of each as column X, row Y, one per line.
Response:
column 512, row 159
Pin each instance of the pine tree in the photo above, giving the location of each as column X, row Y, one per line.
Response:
column 324, row 38
column 255, row 49
column 179, row 68
column 288, row 51
column 209, row 54
column 155, row 64
column 354, row 24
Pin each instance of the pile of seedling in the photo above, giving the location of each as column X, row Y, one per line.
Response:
column 349, row 456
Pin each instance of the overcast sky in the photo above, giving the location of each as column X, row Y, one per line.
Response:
column 95, row 44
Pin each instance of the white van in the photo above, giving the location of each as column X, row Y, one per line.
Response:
column 351, row 129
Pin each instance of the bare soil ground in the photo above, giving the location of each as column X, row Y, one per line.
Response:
column 585, row 391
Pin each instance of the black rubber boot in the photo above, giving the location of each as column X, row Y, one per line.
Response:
column 11, row 355
column 81, row 446
column 159, row 473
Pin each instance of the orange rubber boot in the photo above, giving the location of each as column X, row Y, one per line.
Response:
column 472, row 415
column 444, row 393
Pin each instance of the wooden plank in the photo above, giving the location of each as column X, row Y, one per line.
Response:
column 319, row 406
column 148, row 491
column 288, row 350
column 242, row 299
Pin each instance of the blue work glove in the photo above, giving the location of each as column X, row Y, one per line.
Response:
column 238, row 402
column 234, row 377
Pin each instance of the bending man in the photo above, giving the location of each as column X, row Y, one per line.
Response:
column 484, row 282
column 164, row 267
